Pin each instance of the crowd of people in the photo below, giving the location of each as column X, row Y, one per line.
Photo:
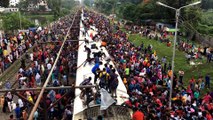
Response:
column 41, row 60
column 105, row 78
column 13, row 46
column 192, row 50
column 148, row 79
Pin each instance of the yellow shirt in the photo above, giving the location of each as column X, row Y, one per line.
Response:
column 155, row 53
column 146, row 60
column 104, row 73
column 5, row 53
column 30, row 99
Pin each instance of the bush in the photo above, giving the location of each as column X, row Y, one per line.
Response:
column 205, row 29
column 11, row 21
column 207, row 18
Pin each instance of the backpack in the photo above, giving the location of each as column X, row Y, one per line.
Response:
column 103, row 80
column 103, row 77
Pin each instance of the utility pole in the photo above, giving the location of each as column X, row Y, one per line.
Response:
column 177, row 14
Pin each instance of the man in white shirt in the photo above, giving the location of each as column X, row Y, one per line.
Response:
column 36, row 63
column 21, row 70
column 38, row 79
column 49, row 66
column 31, row 56
column 21, row 104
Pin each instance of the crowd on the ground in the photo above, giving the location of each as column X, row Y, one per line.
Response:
column 36, row 67
column 148, row 79
column 193, row 51
column 13, row 46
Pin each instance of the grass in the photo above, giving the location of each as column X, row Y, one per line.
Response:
column 180, row 59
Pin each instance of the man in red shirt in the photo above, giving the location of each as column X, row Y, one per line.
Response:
column 137, row 115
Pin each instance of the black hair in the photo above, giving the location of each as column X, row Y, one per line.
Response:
column 11, row 116
column 99, row 117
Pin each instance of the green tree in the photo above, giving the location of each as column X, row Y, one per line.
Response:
column 68, row 4
column 34, row 1
column 23, row 4
column 207, row 4
column 42, row 8
column 129, row 12
column 4, row 3
column 106, row 6
column 11, row 22
column 87, row 3
column 55, row 5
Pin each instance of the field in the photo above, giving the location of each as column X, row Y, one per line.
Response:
column 180, row 59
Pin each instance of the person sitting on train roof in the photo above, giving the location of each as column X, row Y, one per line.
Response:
column 87, row 94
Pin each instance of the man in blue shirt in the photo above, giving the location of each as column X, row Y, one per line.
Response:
column 18, row 112
column 107, row 68
column 94, row 70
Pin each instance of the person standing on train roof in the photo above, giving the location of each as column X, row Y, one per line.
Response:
column 95, row 68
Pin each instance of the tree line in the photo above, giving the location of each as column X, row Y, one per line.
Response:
column 139, row 11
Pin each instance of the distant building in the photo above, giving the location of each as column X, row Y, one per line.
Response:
column 7, row 10
column 41, row 4
column 14, row 2
column 2, row 9
column 161, row 26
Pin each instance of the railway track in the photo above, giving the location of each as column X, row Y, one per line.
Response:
column 71, row 34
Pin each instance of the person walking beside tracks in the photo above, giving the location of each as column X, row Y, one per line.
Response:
column 18, row 112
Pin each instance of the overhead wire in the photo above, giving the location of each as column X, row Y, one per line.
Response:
column 51, row 71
